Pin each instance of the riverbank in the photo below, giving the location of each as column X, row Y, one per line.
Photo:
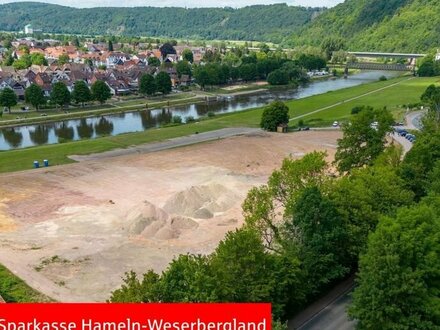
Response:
column 406, row 91
column 115, row 109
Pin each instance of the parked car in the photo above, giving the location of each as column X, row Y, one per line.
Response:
column 335, row 124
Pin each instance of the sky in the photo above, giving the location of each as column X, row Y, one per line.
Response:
column 183, row 3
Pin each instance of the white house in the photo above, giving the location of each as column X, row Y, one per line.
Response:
column 437, row 57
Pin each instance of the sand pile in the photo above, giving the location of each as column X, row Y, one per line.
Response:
column 152, row 222
column 201, row 202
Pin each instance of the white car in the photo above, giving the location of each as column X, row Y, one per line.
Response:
column 335, row 124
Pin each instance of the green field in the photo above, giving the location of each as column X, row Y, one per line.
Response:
column 407, row 91
column 15, row 290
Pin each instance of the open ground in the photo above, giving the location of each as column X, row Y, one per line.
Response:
column 72, row 231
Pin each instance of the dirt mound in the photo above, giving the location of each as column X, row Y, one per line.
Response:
column 151, row 222
column 201, row 202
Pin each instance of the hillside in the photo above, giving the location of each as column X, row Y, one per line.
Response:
column 265, row 23
column 379, row 25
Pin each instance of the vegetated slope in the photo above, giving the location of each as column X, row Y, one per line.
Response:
column 268, row 23
column 377, row 25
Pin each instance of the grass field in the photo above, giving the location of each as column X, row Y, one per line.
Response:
column 407, row 91
column 14, row 290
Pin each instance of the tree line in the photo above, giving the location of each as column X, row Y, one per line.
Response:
column 379, row 217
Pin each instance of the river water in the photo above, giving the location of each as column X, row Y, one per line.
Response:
column 94, row 127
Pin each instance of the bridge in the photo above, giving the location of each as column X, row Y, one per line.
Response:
column 380, row 66
column 386, row 55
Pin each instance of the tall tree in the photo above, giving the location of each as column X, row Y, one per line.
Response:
column 34, row 95
column 110, row 46
column 147, row 85
column 100, row 91
column 319, row 231
column 363, row 141
column 167, row 49
column 398, row 283
column 81, row 92
column 38, row 59
column 60, row 94
column 274, row 114
column 163, row 83
column 187, row 55
column 8, row 98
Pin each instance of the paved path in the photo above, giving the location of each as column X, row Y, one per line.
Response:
column 169, row 144
column 348, row 100
column 327, row 313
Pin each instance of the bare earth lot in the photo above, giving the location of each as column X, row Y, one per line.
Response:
column 72, row 231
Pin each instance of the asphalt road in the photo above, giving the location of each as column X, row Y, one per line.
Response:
column 171, row 143
column 333, row 317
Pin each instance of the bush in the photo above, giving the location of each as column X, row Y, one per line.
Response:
column 300, row 123
column 177, row 120
column 189, row 119
column 211, row 114
column 383, row 78
column 274, row 114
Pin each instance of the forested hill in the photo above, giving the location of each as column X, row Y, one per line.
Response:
column 265, row 23
column 380, row 25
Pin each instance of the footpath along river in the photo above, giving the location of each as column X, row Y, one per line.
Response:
column 93, row 127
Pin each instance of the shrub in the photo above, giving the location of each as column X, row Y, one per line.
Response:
column 211, row 114
column 383, row 78
column 177, row 120
column 189, row 119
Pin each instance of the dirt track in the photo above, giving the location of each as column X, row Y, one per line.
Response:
column 72, row 231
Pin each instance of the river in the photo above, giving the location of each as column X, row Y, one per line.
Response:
column 94, row 127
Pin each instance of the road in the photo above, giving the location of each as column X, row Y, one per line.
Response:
column 171, row 143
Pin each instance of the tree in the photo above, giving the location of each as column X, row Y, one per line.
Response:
column 280, row 194
column 274, row 114
column 248, row 72
column 8, row 98
column 365, row 195
column 363, row 142
column 431, row 97
column 163, row 83
column 38, row 59
column 398, row 281
column 60, row 94
column 167, row 49
column 154, row 62
column 427, row 69
column 100, row 91
column 23, row 62
column 147, row 85
column 187, row 55
column 183, row 68
column 81, row 92
column 110, row 46
column 332, row 44
column 278, row 77
column 34, row 95
column 63, row 59
column 202, row 76
column 318, row 229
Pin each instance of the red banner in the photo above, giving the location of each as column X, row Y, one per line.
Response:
column 135, row 317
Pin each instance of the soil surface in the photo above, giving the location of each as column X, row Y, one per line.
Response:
column 72, row 231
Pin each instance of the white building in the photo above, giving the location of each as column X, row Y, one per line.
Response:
column 28, row 29
column 437, row 57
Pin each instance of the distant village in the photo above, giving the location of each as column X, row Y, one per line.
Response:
column 90, row 62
